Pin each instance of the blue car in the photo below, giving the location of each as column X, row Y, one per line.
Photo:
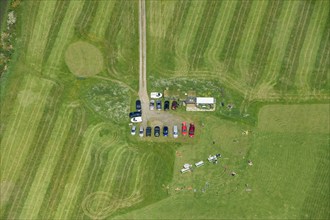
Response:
column 138, row 105
column 165, row 131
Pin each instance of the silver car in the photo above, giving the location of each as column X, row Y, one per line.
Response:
column 141, row 131
column 133, row 130
column 152, row 104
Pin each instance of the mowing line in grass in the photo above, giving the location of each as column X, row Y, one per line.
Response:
column 86, row 17
column 58, row 17
column 101, row 20
column 235, row 33
column 65, row 35
column 221, row 27
column 320, row 76
column 37, row 43
column 264, row 40
column 47, row 165
column 80, row 175
column 30, row 166
column 63, row 167
column 249, row 37
column 280, row 39
column 316, row 204
column 204, row 33
column 176, row 23
column 309, row 50
column 30, row 14
column 290, row 63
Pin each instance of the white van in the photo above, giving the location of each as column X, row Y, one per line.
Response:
column 136, row 119
column 175, row 131
column 155, row 95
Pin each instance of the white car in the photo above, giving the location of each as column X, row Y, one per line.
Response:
column 136, row 119
column 133, row 130
column 156, row 95
column 152, row 104
column 141, row 131
column 175, row 131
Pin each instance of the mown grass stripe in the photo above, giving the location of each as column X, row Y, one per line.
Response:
column 320, row 75
column 63, row 166
column 176, row 23
column 47, row 165
column 219, row 36
column 85, row 19
column 282, row 35
column 290, row 63
column 309, row 50
column 316, row 204
column 204, row 33
column 68, row 200
column 236, row 29
column 264, row 40
column 30, row 14
column 92, row 173
column 37, row 43
column 59, row 14
column 30, row 166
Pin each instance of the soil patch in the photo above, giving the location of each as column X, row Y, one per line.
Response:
column 84, row 59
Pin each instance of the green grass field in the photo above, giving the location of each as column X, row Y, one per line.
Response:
column 66, row 150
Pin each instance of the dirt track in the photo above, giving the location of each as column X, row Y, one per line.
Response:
column 153, row 117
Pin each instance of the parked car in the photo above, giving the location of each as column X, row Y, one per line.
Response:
column 174, row 105
column 166, row 105
column 159, row 105
column 148, row 131
column 156, row 95
column 175, row 131
column 135, row 114
column 157, row 131
column 184, row 128
column 133, row 130
column 138, row 105
column 136, row 119
column 191, row 130
column 165, row 131
column 152, row 104
column 141, row 131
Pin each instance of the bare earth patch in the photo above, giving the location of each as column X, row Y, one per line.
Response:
column 84, row 59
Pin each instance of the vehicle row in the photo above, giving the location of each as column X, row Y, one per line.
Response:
column 158, row 105
column 165, row 130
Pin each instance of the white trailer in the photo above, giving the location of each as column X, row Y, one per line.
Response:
column 199, row 164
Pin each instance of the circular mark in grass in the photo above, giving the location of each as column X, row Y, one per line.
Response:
column 83, row 59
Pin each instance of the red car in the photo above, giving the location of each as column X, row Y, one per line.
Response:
column 191, row 130
column 184, row 128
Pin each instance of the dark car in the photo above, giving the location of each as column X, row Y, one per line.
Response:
column 138, row 105
column 165, row 131
column 134, row 114
column 159, row 105
column 174, row 105
column 166, row 105
column 148, row 131
column 191, row 130
column 157, row 131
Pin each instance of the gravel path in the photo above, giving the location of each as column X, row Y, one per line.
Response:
column 153, row 117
